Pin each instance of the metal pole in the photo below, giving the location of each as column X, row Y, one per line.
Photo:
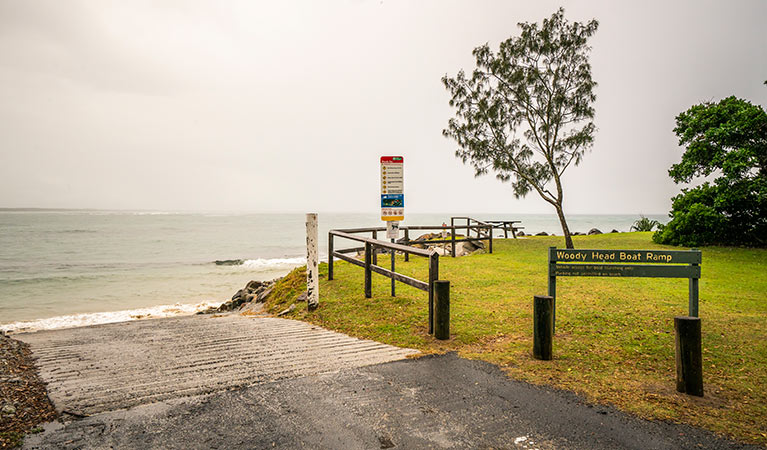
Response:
column 392, row 269
column 312, row 263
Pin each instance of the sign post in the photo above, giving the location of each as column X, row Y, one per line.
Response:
column 392, row 199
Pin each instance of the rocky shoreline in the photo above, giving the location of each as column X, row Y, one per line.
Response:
column 24, row 402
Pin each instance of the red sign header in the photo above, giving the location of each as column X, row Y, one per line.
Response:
column 391, row 159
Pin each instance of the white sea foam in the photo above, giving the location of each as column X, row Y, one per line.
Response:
column 274, row 263
column 81, row 320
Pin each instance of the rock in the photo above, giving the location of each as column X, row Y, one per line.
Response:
column 441, row 251
column 249, row 297
column 263, row 295
column 253, row 285
column 542, row 233
column 521, row 233
column 289, row 310
column 238, row 294
column 229, row 262
column 8, row 410
column 576, row 233
column 615, row 231
column 594, row 231
column 302, row 297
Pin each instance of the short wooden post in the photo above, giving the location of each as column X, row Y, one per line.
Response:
column 368, row 272
column 330, row 256
column 506, row 230
column 433, row 276
column 689, row 359
column 543, row 326
column 407, row 242
column 312, row 263
column 442, row 310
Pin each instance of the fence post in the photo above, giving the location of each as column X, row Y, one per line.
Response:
column 433, row 276
column 407, row 242
column 553, row 286
column 442, row 310
column 312, row 263
column 452, row 240
column 543, row 326
column 375, row 250
column 689, row 361
column 330, row 256
column 368, row 273
column 491, row 238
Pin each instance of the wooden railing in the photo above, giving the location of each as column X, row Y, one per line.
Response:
column 370, row 264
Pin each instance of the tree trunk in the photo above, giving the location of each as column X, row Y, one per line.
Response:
column 565, row 229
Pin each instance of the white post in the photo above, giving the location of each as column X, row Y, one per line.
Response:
column 312, row 263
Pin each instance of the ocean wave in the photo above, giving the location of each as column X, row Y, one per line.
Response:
column 81, row 320
column 262, row 263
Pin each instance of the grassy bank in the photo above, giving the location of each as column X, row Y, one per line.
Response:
column 614, row 342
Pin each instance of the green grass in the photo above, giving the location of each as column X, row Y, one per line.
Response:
column 615, row 339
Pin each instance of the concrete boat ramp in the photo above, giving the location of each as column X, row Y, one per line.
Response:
column 116, row 366
column 233, row 382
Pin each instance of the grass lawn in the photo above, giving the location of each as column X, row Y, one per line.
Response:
column 615, row 337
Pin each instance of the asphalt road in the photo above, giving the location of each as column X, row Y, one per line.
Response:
column 431, row 402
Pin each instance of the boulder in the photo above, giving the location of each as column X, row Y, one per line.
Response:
column 615, row 231
column 576, row 233
column 542, row 233
column 263, row 295
column 238, row 294
column 253, row 285
column 302, row 297
column 521, row 233
column 594, row 231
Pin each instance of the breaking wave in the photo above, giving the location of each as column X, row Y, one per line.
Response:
column 81, row 320
column 262, row 263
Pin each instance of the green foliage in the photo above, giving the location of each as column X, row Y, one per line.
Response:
column 526, row 111
column 728, row 139
column 644, row 224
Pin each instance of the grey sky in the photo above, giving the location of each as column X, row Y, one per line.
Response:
column 282, row 106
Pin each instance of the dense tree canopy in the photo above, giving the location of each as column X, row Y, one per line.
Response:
column 728, row 139
column 526, row 111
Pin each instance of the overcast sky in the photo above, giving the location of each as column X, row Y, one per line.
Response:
column 283, row 106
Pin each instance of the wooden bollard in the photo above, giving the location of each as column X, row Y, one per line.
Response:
column 543, row 326
column 442, row 309
column 689, row 358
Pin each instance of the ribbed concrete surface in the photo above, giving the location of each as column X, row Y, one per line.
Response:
column 117, row 366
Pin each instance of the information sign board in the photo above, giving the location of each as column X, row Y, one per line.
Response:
column 392, row 188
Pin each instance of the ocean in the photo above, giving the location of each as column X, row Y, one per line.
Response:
column 72, row 268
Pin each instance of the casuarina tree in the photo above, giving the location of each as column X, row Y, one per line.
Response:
column 525, row 112
column 727, row 139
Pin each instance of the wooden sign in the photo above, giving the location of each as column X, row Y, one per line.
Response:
column 627, row 263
